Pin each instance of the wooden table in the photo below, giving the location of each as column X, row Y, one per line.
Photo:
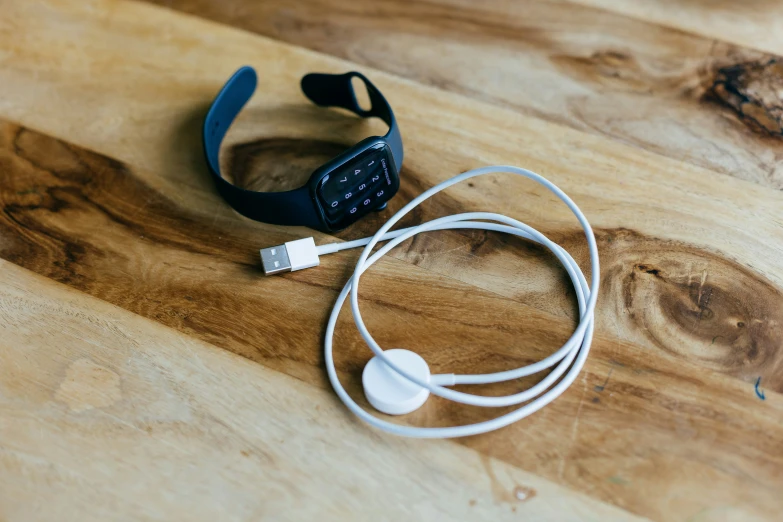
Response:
column 149, row 371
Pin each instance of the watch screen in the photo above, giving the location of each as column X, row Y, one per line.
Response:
column 357, row 187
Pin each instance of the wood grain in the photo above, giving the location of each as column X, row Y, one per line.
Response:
column 169, row 440
column 159, row 261
column 106, row 192
column 655, row 87
column 753, row 23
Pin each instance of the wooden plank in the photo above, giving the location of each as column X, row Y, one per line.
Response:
column 108, row 416
column 160, row 260
column 757, row 24
column 687, row 97
column 667, row 398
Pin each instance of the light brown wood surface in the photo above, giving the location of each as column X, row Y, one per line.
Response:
column 753, row 23
column 693, row 98
column 109, row 416
column 130, row 401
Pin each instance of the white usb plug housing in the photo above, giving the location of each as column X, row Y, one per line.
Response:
column 289, row 257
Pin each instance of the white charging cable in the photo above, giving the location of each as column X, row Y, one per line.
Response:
column 398, row 381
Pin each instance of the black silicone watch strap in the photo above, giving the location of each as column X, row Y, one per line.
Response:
column 336, row 90
column 293, row 207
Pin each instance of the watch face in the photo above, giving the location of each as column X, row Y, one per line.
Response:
column 358, row 186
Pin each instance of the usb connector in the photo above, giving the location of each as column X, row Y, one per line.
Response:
column 292, row 256
column 302, row 253
column 275, row 260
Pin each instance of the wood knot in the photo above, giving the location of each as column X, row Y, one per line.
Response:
column 648, row 270
column 753, row 89
column 696, row 305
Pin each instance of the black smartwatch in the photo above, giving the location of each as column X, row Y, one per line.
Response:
column 340, row 192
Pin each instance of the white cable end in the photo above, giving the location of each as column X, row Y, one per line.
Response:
column 388, row 391
column 292, row 256
column 302, row 253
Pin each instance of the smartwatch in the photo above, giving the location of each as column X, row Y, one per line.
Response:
column 340, row 192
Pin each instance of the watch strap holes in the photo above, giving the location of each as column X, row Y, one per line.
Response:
column 361, row 94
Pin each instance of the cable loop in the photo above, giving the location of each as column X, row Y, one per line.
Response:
column 565, row 363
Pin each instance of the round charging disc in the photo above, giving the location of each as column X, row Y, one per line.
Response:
column 390, row 392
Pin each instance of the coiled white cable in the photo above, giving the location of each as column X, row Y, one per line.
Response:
column 571, row 355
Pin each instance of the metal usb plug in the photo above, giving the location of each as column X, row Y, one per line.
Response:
column 289, row 257
column 275, row 260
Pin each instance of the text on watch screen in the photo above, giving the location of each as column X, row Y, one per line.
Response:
column 356, row 187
